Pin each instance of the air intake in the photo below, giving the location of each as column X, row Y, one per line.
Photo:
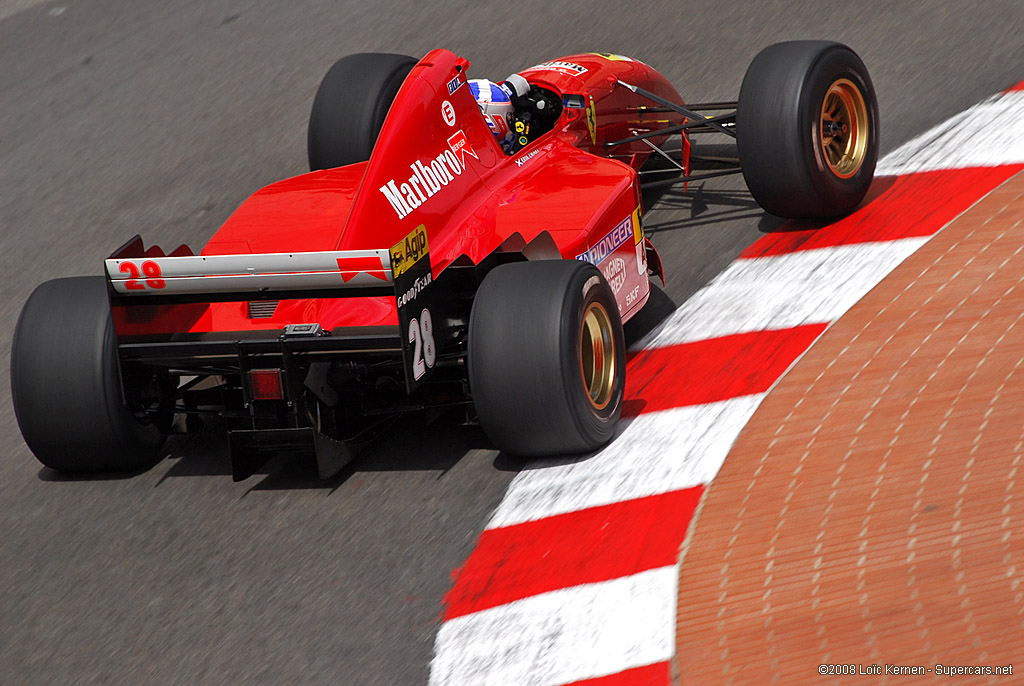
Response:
column 261, row 309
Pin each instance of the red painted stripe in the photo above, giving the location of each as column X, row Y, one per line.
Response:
column 1018, row 87
column 714, row 369
column 352, row 266
column 897, row 207
column 650, row 675
column 591, row 545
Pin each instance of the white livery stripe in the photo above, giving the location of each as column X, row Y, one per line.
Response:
column 653, row 453
column 255, row 264
column 989, row 134
column 250, row 272
column 785, row 291
column 562, row 636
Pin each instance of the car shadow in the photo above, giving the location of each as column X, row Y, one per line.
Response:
column 512, row 463
column 411, row 444
column 708, row 202
column 771, row 224
column 658, row 308
column 705, row 207
column 53, row 476
column 176, row 445
column 410, row 447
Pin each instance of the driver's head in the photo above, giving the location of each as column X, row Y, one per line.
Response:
column 496, row 104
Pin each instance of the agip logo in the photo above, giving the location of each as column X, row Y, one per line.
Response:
column 407, row 252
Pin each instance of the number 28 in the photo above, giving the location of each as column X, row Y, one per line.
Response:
column 421, row 335
column 150, row 269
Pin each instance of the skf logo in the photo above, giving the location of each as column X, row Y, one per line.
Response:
column 408, row 251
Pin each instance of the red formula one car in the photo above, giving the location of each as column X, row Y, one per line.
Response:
column 421, row 266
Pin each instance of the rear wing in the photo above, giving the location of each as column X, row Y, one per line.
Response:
column 183, row 277
column 138, row 277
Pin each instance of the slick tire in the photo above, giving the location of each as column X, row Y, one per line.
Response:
column 807, row 129
column 546, row 358
column 66, row 383
column 350, row 106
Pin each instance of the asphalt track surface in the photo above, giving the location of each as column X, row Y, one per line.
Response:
column 120, row 117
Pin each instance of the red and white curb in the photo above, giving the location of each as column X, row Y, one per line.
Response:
column 574, row 578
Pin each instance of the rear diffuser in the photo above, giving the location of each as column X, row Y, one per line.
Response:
column 250, row 450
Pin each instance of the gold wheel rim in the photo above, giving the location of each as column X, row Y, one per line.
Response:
column 597, row 356
column 844, row 128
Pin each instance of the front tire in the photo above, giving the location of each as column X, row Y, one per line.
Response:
column 546, row 358
column 807, row 129
column 66, row 383
column 350, row 106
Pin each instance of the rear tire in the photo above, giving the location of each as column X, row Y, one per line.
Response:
column 66, row 382
column 350, row 107
column 546, row 358
column 807, row 129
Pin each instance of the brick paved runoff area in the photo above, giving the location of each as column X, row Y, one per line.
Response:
column 870, row 517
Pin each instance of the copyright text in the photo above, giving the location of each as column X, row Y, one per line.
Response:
column 900, row 670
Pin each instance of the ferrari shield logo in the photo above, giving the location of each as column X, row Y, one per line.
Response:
column 592, row 120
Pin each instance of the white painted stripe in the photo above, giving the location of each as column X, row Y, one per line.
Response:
column 653, row 453
column 783, row 291
column 989, row 134
column 562, row 636
column 8, row 8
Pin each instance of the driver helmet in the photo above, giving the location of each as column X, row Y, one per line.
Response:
column 496, row 104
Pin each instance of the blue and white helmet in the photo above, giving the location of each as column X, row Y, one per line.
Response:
column 496, row 104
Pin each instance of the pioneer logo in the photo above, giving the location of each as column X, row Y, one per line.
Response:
column 611, row 241
column 429, row 177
